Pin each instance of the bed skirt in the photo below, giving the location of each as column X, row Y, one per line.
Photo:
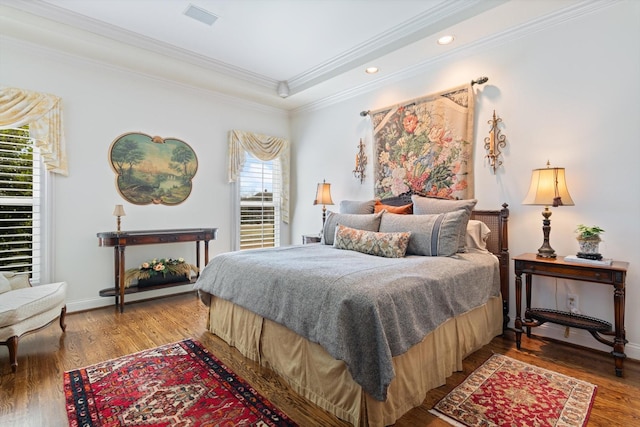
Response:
column 325, row 381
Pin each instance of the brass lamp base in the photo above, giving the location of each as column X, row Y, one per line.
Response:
column 546, row 251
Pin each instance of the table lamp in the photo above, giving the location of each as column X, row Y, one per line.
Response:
column 118, row 212
column 323, row 197
column 547, row 188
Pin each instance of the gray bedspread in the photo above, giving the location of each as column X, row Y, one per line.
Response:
column 361, row 309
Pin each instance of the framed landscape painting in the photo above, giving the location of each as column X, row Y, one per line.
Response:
column 153, row 169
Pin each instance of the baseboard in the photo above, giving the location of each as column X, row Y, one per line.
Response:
column 98, row 302
column 582, row 338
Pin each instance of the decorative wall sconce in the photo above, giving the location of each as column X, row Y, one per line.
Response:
column 361, row 163
column 494, row 142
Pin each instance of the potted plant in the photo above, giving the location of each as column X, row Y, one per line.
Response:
column 589, row 240
column 160, row 271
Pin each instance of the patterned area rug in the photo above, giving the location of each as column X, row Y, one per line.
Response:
column 179, row 384
column 507, row 392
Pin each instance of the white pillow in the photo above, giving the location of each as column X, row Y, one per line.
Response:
column 476, row 236
column 5, row 286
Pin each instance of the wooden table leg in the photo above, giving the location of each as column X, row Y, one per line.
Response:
column 528, row 307
column 121, row 276
column 116, row 276
column 620, row 339
column 518, row 322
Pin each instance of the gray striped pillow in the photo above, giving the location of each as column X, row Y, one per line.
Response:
column 431, row 235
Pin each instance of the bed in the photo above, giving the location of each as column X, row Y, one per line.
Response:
column 364, row 337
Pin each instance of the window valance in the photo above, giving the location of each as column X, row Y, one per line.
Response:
column 43, row 113
column 264, row 148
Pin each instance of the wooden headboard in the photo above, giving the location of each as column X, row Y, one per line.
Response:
column 497, row 243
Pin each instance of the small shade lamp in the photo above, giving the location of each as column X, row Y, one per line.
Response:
column 548, row 188
column 323, row 197
column 118, row 212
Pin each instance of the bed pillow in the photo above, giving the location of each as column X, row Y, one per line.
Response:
column 403, row 210
column 389, row 245
column 368, row 222
column 5, row 286
column 476, row 236
column 430, row 205
column 431, row 235
column 356, row 207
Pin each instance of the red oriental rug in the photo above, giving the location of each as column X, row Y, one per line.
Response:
column 507, row 392
column 179, row 384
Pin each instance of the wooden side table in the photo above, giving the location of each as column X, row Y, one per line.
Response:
column 612, row 275
column 310, row 238
column 120, row 240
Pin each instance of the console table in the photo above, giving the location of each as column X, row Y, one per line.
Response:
column 611, row 275
column 120, row 240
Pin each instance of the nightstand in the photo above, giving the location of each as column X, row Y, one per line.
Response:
column 611, row 275
column 310, row 238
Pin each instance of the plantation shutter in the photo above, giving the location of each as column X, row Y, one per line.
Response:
column 20, row 203
column 260, row 190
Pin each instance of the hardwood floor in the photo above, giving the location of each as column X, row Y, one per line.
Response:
column 34, row 395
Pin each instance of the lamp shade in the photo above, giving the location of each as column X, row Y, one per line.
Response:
column 323, row 194
column 548, row 188
column 119, row 211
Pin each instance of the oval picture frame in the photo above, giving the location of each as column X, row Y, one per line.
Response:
column 151, row 169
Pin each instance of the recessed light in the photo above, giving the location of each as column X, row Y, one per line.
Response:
column 371, row 70
column 445, row 39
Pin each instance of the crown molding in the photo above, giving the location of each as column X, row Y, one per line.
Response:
column 72, row 19
column 435, row 19
column 71, row 58
column 425, row 24
column 553, row 19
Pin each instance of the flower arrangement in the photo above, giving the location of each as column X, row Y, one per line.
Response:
column 159, row 266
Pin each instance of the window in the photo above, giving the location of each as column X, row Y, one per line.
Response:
column 20, row 203
column 259, row 191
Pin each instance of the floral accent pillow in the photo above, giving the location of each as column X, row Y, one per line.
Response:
column 389, row 245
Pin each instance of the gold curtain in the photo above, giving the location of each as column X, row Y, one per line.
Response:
column 264, row 148
column 43, row 113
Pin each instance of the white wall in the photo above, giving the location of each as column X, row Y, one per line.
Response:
column 100, row 103
column 568, row 94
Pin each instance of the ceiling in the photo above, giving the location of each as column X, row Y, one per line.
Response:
column 318, row 48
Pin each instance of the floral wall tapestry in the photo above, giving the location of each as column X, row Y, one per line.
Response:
column 425, row 146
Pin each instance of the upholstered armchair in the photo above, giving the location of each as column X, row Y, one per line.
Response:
column 25, row 309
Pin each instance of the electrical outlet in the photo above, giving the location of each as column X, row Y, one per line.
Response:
column 572, row 303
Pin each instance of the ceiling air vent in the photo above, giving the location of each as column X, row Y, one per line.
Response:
column 200, row 14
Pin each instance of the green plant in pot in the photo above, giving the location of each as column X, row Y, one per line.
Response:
column 589, row 241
